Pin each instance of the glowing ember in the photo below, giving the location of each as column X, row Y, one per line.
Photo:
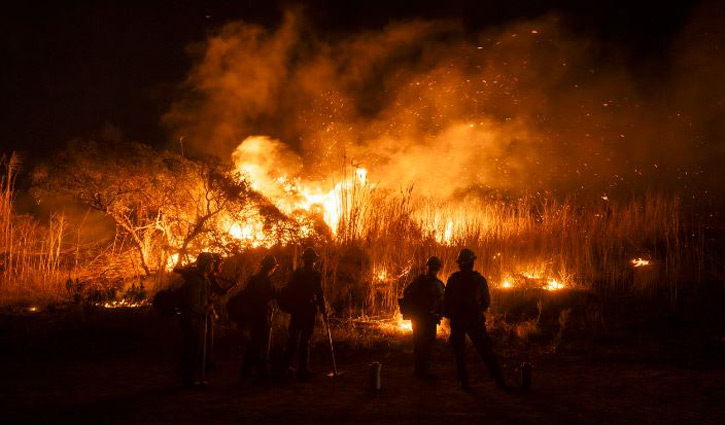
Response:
column 553, row 285
column 381, row 275
column 404, row 326
column 394, row 324
column 537, row 277
column 640, row 262
column 122, row 304
column 397, row 325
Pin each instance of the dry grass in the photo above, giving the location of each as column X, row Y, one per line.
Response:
column 528, row 242
column 31, row 252
column 384, row 237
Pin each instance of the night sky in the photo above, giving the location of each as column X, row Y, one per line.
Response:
column 72, row 69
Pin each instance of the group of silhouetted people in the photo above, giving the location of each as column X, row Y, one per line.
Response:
column 463, row 300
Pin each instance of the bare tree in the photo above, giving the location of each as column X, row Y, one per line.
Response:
column 151, row 196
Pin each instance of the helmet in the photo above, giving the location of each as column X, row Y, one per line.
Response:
column 310, row 253
column 204, row 259
column 434, row 262
column 465, row 256
column 268, row 262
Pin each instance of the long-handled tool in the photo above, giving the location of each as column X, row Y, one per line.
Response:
column 204, row 334
column 334, row 372
column 268, row 346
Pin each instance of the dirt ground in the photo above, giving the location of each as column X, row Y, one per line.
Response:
column 119, row 367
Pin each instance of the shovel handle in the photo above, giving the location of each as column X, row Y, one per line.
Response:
column 204, row 334
column 332, row 347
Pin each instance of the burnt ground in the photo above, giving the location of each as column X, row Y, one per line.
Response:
column 119, row 367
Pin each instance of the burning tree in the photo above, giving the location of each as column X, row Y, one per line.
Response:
column 166, row 205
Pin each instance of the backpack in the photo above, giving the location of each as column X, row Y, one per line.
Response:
column 286, row 299
column 238, row 307
column 296, row 296
column 168, row 301
column 407, row 308
column 411, row 305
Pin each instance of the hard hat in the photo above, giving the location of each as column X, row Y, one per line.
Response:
column 268, row 262
column 310, row 253
column 465, row 256
column 434, row 262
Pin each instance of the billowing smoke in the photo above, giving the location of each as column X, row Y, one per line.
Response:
column 424, row 103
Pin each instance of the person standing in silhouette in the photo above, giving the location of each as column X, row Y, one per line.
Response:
column 305, row 299
column 465, row 301
column 259, row 295
column 195, row 311
column 424, row 303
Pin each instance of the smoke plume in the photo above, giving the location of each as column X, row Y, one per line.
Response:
column 527, row 106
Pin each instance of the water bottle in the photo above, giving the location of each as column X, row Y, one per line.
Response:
column 375, row 376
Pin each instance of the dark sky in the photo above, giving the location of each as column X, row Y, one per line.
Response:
column 73, row 68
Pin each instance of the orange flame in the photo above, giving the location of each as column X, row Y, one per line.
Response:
column 122, row 304
column 273, row 170
column 640, row 262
